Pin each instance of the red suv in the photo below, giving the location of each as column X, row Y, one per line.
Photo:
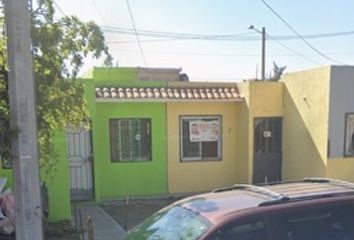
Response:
column 313, row 208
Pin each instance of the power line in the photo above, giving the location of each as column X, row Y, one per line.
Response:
column 293, row 51
column 60, row 10
column 136, row 33
column 222, row 37
column 200, row 54
column 95, row 6
column 147, row 41
column 299, row 36
column 99, row 11
column 172, row 35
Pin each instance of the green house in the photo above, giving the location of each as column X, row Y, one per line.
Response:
column 90, row 167
column 139, row 168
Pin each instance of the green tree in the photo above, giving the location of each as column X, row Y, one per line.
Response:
column 59, row 47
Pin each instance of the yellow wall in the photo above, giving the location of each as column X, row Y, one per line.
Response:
column 301, row 98
column 341, row 168
column 262, row 99
column 243, row 136
column 265, row 99
column 305, row 134
column 208, row 175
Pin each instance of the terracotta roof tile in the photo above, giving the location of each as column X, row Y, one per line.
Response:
column 121, row 93
column 149, row 93
column 171, row 93
column 215, row 93
column 114, row 93
column 195, row 93
column 157, row 93
column 163, row 93
column 183, row 93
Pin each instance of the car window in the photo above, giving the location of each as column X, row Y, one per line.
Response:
column 174, row 223
column 326, row 223
column 251, row 230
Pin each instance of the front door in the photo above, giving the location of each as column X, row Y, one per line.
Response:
column 80, row 164
column 267, row 150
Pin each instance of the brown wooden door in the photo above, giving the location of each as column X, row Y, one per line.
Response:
column 267, row 150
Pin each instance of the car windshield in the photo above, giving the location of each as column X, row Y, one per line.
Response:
column 171, row 224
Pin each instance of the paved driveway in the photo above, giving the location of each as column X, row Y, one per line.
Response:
column 104, row 226
column 111, row 219
column 128, row 214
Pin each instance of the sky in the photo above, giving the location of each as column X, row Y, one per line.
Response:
column 222, row 61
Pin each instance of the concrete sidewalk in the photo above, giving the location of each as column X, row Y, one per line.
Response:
column 104, row 227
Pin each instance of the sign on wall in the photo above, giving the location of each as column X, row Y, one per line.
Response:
column 203, row 131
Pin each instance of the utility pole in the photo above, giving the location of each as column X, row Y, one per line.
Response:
column 263, row 32
column 23, row 117
column 263, row 52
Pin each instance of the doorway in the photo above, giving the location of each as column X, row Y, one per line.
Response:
column 80, row 164
column 267, row 161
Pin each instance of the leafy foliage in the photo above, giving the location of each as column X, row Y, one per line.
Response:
column 4, row 110
column 59, row 47
column 277, row 72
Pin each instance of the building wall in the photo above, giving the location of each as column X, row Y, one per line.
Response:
column 164, row 74
column 262, row 99
column 111, row 76
column 207, row 175
column 58, row 183
column 341, row 168
column 123, row 77
column 114, row 179
column 125, row 179
column 306, row 110
column 341, row 102
column 243, row 136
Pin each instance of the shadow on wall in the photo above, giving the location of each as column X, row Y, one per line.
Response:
column 301, row 156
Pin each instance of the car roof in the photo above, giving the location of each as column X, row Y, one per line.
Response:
column 239, row 197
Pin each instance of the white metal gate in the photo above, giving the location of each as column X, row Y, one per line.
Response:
column 80, row 164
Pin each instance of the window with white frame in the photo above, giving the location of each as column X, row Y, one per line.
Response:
column 200, row 138
column 349, row 135
column 130, row 140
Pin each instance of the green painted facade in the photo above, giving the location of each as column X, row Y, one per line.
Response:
column 58, row 185
column 7, row 173
column 114, row 179
column 111, row 179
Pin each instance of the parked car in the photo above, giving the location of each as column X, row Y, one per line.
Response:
column 313, row 208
